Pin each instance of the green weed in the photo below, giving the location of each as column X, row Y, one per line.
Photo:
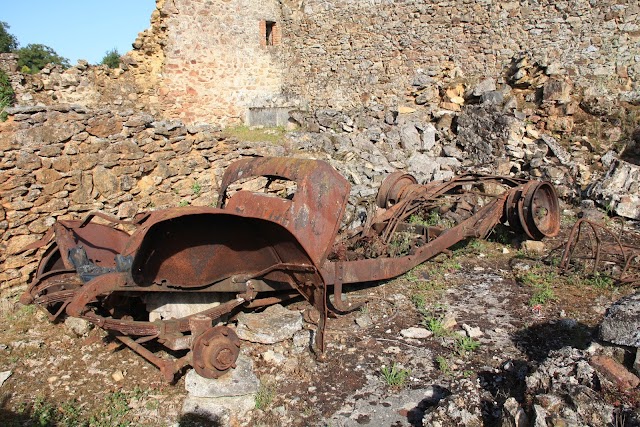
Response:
column 599, row 280
column 394, row 376
column 70, row 415
column 435, row 325
column 196, row 188
column 541, row 281
column 420, row 301
column 466, row 345
column 542, row 295
column 443, row 365
column 264, row 396
column 43, row 412
column 113, row 413
column 183, row 203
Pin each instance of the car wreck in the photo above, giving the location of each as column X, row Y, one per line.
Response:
column 258, row 248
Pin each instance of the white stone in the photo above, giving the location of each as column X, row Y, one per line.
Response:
column 472, row 332
column 177, row 305
column 4, row 375
column 239, row 381
column 417, row 333
column 275, row 324
column 273, row 357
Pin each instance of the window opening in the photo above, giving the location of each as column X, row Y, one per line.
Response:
column 269, row 30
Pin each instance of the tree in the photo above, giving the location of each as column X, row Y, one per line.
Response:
column 8, row 42
column 36, row 56
column 111, row 58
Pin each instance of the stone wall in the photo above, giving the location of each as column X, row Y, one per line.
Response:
column 8, row 62
column 64, row 161
column 217, row 62
column 351, row 54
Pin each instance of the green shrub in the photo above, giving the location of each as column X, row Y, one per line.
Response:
column 111, row 58
column 36, row 56
column 6, row 95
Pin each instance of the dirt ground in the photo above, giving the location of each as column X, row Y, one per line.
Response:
column 523, row 305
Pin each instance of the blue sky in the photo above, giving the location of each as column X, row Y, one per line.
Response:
column 78, row 29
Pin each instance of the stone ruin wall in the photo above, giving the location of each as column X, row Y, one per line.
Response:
column 217, row 63
column 354, row 54
column 351, row 54
column 206, row 60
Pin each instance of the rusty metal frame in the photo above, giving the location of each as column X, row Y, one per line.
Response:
column 603, row 248
column 262, row 249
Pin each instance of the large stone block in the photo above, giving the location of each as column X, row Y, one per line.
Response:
column 621, row 324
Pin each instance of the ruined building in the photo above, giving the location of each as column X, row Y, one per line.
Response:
column 233, row 61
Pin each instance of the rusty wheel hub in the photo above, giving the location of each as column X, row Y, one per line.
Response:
column 393, row 187
column 535, row 209
column 215, row 352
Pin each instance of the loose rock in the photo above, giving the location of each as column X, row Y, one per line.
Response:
column 273, row 325
column 621, row 324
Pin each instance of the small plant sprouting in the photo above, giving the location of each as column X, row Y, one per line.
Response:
column 466, row 345
column 196, row 188
column 443, row 365
column 542, row 294
column 435, row 325
column 420, row 301
column 541, row 282
column 394, row 376
column 183, row 203
column 600, row 281
column 265, row 395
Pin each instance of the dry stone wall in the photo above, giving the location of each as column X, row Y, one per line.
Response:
column 65, row 161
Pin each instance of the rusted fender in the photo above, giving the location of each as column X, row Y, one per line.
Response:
column 316, row 210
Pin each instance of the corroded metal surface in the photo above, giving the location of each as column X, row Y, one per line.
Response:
column 263, row 247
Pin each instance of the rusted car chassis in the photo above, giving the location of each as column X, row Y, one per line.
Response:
column 260, row 248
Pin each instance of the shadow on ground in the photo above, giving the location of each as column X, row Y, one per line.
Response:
column 538, row 340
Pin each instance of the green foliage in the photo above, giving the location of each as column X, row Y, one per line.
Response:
column 43, row 412
column 7, row 95
column 420, row 301
column 431, row 219
column 264, row 396
column 400, row 244
column 8, row 42
column 70, row 415
column 435, row 325
column 37, row 56
column 443, row 365
column 541, row 281
column 183, row 203
column 599, row 280
column 394, row 376
column 111, row 58
column 196, row 188
column 542, row 295
column 465, row 345
column 114, row 412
